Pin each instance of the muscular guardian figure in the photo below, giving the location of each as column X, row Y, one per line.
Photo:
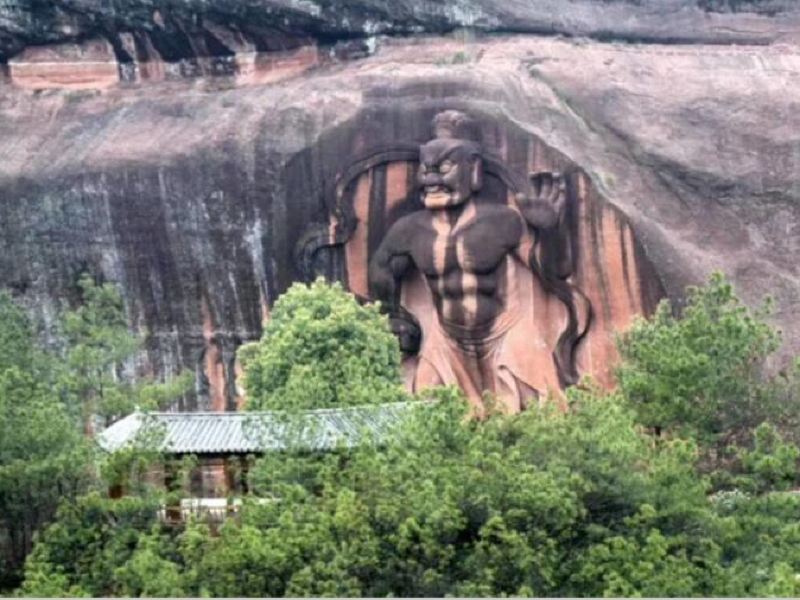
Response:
column 473, row 255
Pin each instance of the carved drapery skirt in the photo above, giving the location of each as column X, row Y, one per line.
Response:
column 513, row 361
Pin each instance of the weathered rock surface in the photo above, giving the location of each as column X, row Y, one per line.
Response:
column 185, row 29
column 194, row 198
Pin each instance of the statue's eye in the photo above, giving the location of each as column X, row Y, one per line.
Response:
column 446, row 167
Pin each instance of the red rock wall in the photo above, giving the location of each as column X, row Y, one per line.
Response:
column 93, row 65
column 189, row 196
column 90, row 65
column 617, row 278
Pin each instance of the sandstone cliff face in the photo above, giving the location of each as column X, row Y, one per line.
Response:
column 190, row 28
column 193, row 194
column 87, row 41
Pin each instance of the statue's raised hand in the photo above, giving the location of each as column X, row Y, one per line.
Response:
column 543, row 205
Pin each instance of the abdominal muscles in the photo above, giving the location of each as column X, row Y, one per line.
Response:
column 466, row 300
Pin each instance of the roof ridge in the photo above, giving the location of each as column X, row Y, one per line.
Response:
column 205, row 432
column 243, row 413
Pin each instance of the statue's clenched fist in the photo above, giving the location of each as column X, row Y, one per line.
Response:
column 408, row 332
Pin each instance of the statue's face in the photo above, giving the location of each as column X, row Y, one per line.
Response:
column 450, row 171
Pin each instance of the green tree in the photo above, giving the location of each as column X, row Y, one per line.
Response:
column 44, row 401
column 510, row 505
column 99, row 346
column 545, row 503
column 771, row 464
column 592, row 501
column 43, row 458
column 86, row 551
column 16, row 337
column 702, row 370
column 149, row 571
column 322, row 349
column 759, row 540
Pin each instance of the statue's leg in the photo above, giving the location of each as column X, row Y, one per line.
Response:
column 445, row 365
column 426, row 376
column 513, row 394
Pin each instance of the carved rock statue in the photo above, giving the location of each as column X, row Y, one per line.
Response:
column 502, row 267
column 474, row 298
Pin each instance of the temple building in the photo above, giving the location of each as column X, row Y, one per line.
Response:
column 226, row 443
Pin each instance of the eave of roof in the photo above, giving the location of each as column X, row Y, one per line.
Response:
column 253, row 432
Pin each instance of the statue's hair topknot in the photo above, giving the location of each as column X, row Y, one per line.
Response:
column 454, row 124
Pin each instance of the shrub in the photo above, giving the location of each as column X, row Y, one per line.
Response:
column 322, row 349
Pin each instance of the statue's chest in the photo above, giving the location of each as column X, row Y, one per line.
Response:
column 476, row 248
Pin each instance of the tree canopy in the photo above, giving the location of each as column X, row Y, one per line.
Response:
column 627, row 493
column 49, row 399
column 97, row 376
column 322, row 349
column 700, row 371
column 43, row 456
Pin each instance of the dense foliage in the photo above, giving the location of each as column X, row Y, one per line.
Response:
column 49, row 399
column 43, row 457
column 97, row 375
column 616, row 496
column 700, row 371
column 321, row 349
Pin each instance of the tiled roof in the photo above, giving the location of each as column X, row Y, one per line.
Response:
column 252, row 432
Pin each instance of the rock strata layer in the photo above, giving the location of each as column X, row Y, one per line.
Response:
column 187, row 29
column 194, row 198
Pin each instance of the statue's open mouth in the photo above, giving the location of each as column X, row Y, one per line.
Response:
column 436, row 196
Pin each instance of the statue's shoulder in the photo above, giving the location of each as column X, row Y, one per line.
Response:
column 498, row 215
column 409, row 225
column 495, row 210
column 414, row 219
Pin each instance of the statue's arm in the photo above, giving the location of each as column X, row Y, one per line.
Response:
column 388, row 266
column 525, row 242
column 386, row 269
